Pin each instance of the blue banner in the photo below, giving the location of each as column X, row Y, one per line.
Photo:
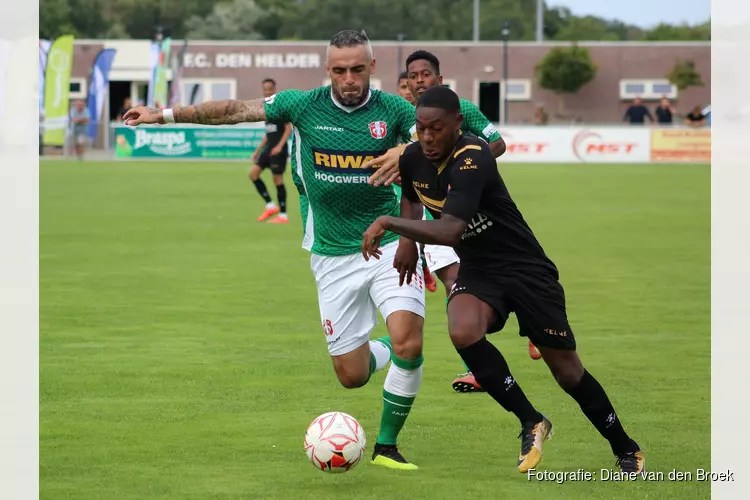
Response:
column 99, row 89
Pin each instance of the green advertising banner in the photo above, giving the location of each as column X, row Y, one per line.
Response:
column 187, row 142
column 57, row 90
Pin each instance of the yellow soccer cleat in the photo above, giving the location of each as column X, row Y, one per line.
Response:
column 532, row 437
column 388, row 456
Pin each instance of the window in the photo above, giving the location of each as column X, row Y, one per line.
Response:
column 195, row 91
column 647, row 89
column 451, row 84
column 374, row 83
column 77, row 88
column 517, row 90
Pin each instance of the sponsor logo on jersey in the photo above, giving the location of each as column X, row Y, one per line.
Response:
column 478, row 224
column 468, row 165
column 378, row 129
column 343, row 162
column 328, row 128
column 489, row 130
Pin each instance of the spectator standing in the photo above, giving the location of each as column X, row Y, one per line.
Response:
column 79, row 119
column 637, row 113
column 664, row 112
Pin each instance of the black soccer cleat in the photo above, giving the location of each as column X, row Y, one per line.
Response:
column 387, row 455
column 632, row 461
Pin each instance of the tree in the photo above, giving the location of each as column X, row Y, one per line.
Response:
column 684, row 75
column 565, row 70
column 683, row 32
column 228, row 21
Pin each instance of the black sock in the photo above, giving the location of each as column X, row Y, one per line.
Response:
column 281, row 193
column 261, row 187
column 491, row 371
column 590, row 395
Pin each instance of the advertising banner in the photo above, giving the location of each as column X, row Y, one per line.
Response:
column 576, row 144
column 681, row 145
column 187, row 142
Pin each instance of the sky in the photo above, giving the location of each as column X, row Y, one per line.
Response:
column 642, row 13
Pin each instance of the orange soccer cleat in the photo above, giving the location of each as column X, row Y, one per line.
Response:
column 268, row 213
column 467, row 383
column 429, row 280
column 279, row 219
column 534, row 352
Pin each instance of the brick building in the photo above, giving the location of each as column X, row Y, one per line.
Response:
column 234, row 69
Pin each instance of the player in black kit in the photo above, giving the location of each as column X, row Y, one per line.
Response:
column 503, row 269
column 273, row 153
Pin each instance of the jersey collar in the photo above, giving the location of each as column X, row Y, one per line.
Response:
column 354, row 108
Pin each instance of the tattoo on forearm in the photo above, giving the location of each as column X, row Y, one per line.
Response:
column 229, row 112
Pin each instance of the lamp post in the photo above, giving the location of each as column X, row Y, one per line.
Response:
column 504, row 86
column 539, row 21
column 476, row 21
column 399, row 69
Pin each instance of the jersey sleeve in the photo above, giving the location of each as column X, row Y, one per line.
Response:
column 284, row 106
column 466, row 182
column 478, row 124
column 407, row 188
column 407, row 118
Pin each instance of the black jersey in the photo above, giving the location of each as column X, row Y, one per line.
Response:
column 468, row 186
column 274, row 132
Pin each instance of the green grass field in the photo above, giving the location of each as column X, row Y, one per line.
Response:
column 182, row 355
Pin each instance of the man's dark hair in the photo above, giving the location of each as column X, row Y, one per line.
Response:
column 403, row 76
column 423, row 55
column 269, row 80
column 350, row 38
column 440, row 97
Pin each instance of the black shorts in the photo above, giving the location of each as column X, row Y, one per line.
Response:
column 276, row 163
column 537, row 299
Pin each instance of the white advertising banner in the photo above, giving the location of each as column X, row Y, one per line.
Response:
column 549, row 144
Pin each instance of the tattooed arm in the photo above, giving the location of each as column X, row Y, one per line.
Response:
column 229, row 112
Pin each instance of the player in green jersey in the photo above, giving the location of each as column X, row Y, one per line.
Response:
column 337, row 128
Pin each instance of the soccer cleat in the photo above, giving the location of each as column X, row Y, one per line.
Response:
column 534, row 352
column 280, row 219
column 532, row 436
column 467, row 383
column 429, row 280
column 632, row 461
column 268, row 213
column 387, row 455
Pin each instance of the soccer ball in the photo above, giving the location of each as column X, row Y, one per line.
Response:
column 335, row 442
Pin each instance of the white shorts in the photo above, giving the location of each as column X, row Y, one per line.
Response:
column 351, row 291
column 437, row 257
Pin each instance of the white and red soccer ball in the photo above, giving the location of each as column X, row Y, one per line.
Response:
column 335, row 442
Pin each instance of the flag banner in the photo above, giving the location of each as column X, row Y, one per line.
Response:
column 99, row 89
column 153, row 65
column 44, row 46
column 177, row 65
column 161, row 84
column 57, row 90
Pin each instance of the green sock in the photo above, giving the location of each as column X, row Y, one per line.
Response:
column 405, row 377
